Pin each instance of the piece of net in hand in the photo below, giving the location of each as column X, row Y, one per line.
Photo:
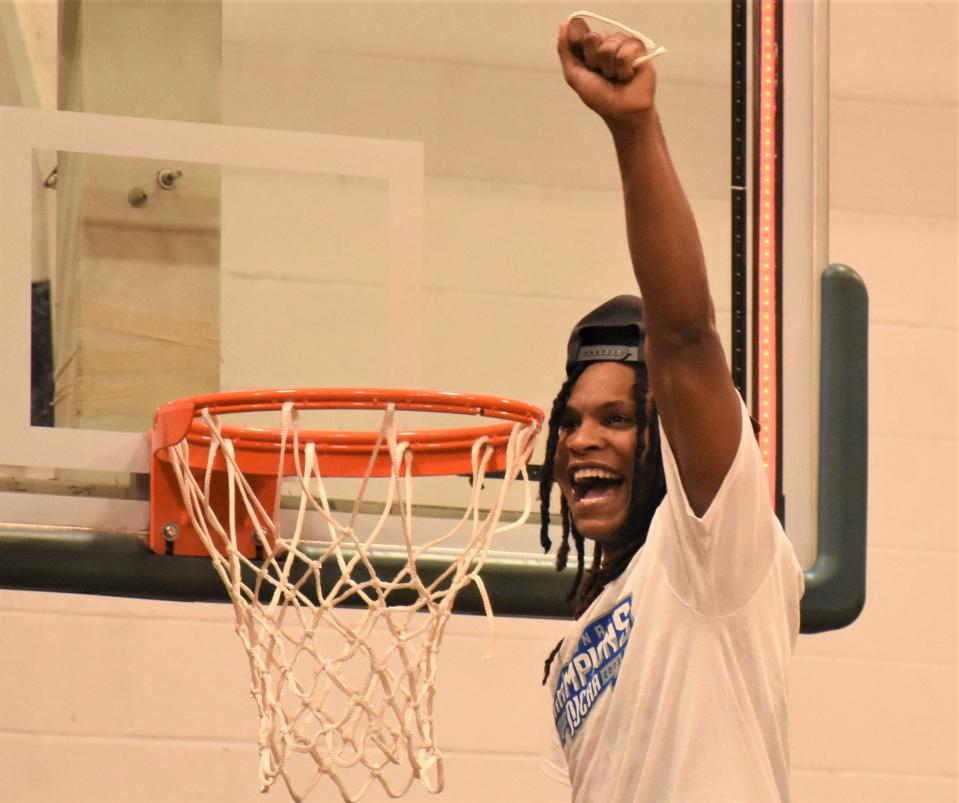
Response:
column 344, row 694
column 599, row 24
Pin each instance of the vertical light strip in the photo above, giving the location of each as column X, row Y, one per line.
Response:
column 738, row 201
column 767, row 346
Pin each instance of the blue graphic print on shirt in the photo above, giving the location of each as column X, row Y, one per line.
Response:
column 592, row 668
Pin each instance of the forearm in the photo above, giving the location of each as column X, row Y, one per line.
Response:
column 664, row 241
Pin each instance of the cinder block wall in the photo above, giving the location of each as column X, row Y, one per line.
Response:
column 107, row 700
column 874, row 706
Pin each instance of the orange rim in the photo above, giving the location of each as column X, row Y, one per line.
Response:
column 344, row 453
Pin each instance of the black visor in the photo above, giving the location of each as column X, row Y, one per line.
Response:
column 613, row 332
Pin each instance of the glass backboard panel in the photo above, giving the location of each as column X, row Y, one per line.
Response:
column 420, row 201
column 467, row 277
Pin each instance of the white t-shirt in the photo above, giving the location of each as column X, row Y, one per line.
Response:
column 673, row 685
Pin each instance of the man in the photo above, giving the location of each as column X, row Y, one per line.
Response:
column 671, row 685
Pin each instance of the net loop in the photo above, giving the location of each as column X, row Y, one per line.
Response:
column 344, row 695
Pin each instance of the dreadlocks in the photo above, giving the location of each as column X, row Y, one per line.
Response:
column 649, row 488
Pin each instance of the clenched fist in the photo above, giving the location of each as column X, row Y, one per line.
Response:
column 611, row 71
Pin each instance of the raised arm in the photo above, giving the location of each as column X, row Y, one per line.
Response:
column 697, row 402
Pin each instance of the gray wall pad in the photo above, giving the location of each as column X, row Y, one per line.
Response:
column 836, row 582
column 113, row 564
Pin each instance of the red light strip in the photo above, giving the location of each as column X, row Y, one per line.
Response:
column 766, row 264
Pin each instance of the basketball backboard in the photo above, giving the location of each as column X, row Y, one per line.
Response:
column 365, row 194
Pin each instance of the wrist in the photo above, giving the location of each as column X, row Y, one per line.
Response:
column 637, row 125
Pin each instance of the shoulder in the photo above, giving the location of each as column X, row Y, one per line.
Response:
column 715, row 561
column 743, row 486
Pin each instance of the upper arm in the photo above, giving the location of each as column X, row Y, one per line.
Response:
column 699, row 408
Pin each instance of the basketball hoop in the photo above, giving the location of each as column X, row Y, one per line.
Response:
column 358, row 710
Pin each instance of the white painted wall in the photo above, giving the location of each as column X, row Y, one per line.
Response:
column 874, row 706
column 107, row 700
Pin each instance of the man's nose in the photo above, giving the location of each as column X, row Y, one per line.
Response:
column 588, row 435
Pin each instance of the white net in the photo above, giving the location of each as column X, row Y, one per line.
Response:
column 342, row 694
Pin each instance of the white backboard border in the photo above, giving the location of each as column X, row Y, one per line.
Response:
column 24, row 131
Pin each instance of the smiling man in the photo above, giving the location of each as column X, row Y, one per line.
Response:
column 671, row 684
column 594, row 465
